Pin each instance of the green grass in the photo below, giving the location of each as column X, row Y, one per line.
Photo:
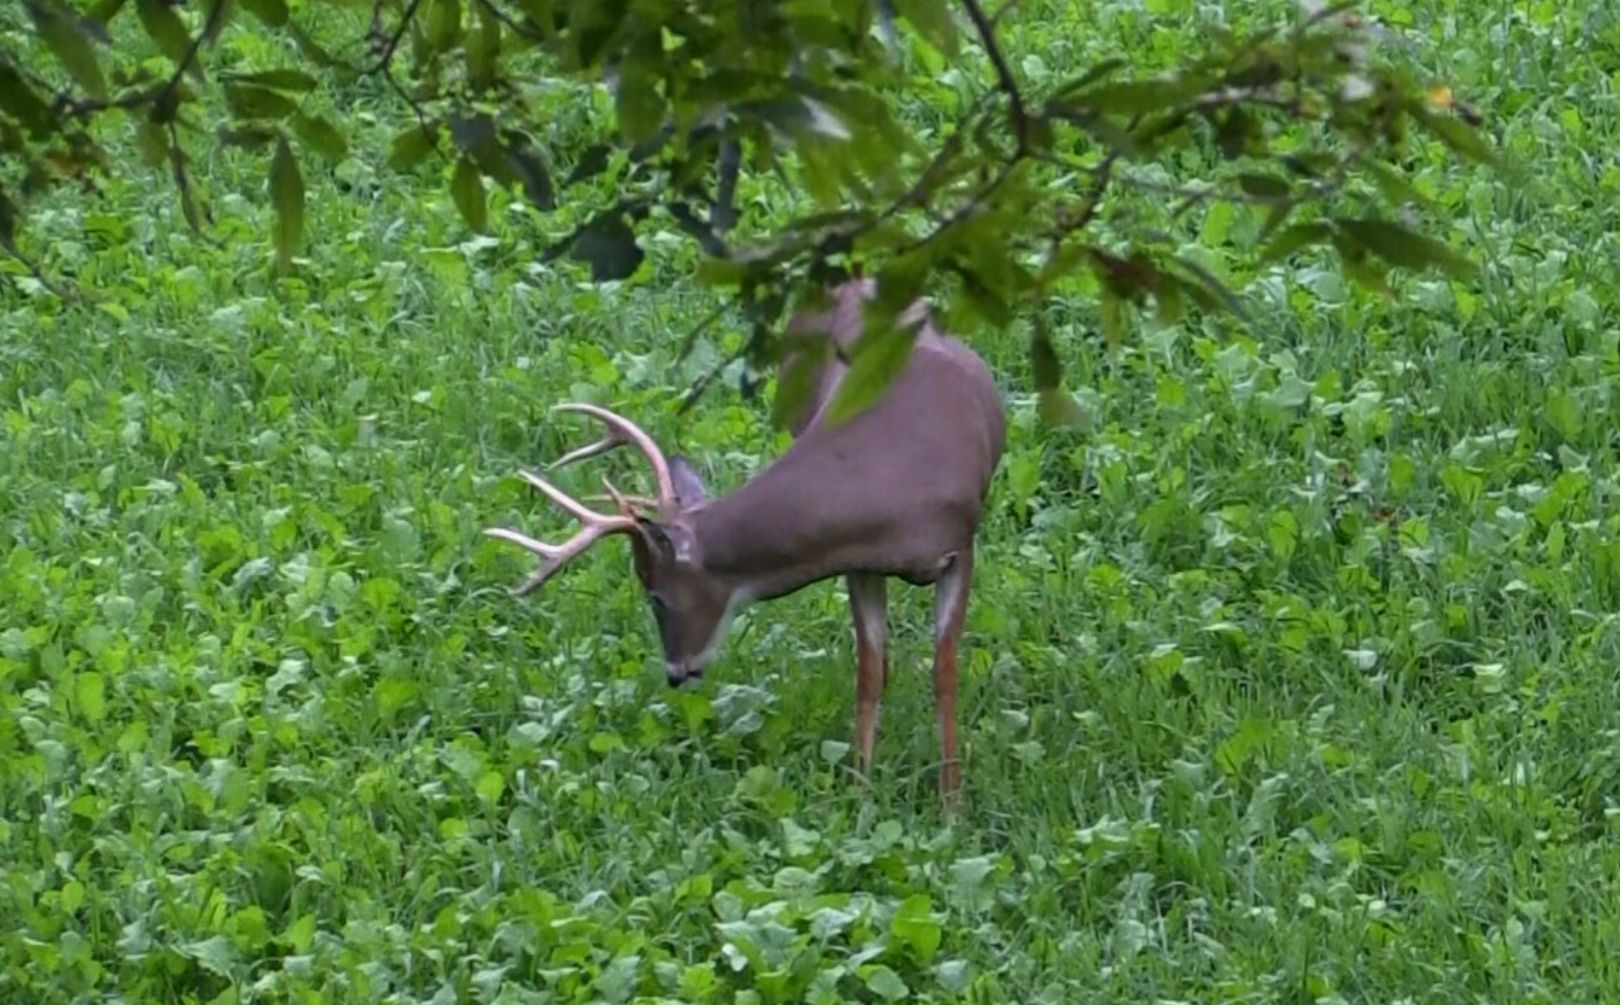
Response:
column 1294, row 676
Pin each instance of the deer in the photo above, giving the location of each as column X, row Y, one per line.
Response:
column 895, row 491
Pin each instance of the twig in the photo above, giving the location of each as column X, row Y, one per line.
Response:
column 1004, row 74
column 392, row 45
column 511, row 22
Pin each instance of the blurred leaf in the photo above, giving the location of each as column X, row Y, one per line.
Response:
column 1405, row 248
column 1044, row 359
column 1458, row 136
column 1392, row 183
column 1092, row 73
column 8, row 222
column 19, row 100
column 797, row 381
column 1263, row 186
column 249, row 102
column 249, row 137
column 609, row 246
column 321, row 136
column 443, row 24
column 1057, row 409
column 70, row 41
column 876, row 358
column 1111, row 313
column 1211, row 285
column 1132, row 97
column 640, row 107
column 467, row 190
column 152, row 140
column 272, row 12
column 287, row 199
column 484, row 47
column 411, row 145
column 166, row 30
column 933, row 21
column 531, row 172
column 281, row 79
column 1292, row 239
column 106, row 10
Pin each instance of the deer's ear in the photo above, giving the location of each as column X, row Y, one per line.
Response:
column 689, row 487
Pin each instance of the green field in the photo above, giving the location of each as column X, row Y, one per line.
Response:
column 1292, row 676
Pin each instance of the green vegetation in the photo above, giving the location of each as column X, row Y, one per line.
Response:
column 1291, row 673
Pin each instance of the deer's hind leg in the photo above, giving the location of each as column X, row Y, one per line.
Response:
column 950, row 611
column 868, row 606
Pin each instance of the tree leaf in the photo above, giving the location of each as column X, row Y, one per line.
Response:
column 19, row 100
column 411, row 145
column 1459, row 137
column 797, row 379
column 1404, row 248
column 933, row 21
column 285, row 79
column 467, row 190
column 609, row 246
column 166, row 30
column 639, row 105
column 1263, row 186
column 287, row 199
column 247, row 101
column 105, row 10
column 8, row 222
column 273, row 13
column 1057, row 409
column 443, row 24
column 1044, row 358
column 532, row 173
column 1392, row 183
column 70, row 42
column 1291, row 239
column 483, row 49
column 1111, row 314
column 248, row 137
column 1211, row 285
column 1133, row 97
column 321, row 136
column 876, row 358
column 152, row 140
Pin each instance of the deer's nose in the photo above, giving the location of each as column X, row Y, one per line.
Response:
column 679, row 673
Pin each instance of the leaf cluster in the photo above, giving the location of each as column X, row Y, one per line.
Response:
column 1027, row 190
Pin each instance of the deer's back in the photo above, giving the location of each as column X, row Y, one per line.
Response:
column 894, row 489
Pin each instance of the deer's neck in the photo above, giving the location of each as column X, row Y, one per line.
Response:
column 772, row 537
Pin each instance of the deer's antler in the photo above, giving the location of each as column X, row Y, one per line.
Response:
column 596, row 525
column 622, row 431
column 555, row 556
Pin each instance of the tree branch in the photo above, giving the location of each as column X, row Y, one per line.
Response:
column 1004, row 74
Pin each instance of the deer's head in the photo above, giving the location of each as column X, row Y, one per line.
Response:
column 690, row 606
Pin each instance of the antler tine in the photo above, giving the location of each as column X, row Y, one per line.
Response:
column 555, row 556
column 620, row 431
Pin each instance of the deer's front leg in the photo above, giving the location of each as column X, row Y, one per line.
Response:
column 950, row 610
column 868, row 605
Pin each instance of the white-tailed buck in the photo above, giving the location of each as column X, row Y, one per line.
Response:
column 895, row 490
